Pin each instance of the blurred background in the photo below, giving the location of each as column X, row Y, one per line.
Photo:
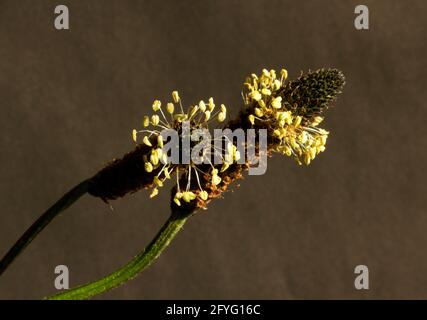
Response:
column 69, row 100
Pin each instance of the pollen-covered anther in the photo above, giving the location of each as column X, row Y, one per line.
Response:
column 277, row 102
column 147, row 141
column 204, row 195
column 156, row 105
column 175, row 97
column 170, row 108
column 154, row 193
column 187, row 196
column 215, row 178
column 148, row 166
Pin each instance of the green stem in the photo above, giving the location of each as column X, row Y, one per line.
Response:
column 68, row 199
column 130, row 270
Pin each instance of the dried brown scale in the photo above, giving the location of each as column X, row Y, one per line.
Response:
column 229, row 176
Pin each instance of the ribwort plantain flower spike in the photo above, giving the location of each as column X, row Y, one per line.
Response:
column 290, row 113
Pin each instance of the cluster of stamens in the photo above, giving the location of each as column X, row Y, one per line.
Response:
column 296, row 136
column 199, row 116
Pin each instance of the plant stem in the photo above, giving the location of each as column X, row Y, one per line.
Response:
column 130, row 270
column 68, row 199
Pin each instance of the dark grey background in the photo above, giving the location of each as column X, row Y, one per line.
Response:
column 69, row 100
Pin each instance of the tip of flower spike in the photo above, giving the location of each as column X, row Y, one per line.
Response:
column 311, row 93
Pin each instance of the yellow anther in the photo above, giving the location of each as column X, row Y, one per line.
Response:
column 255, row 95
column 307, row 159
column 156, row 105
column 154, row 193
column 215, row 179
column 193, row 111
column 170, row 107
column 159, row 152
column 316, row 121
column 158, row 182
column 297, row 121
column 160, row 141
column 251, row 119
column 277, row 133
column 224, row 167
column 203, row 195
column 147, row 141
column 221, row 116
column 180, row 117
column 266, row 92
column 166, row 173
column 187, row 196
column 155, row 119
column 258, row 112
column 207, row 115
column 312, row 153
column 146, row 121
column 284, row 74
column 148, row 166
column 175, row 96
column 261, row 103
column 211, row 104
column 202, row 106
column 154, row 159
column 276, row 103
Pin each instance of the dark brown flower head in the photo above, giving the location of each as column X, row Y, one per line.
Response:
column 311, row 94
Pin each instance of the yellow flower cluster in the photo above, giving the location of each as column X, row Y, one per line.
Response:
column 199, row 116
column 302, row 142
column 296, row 136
